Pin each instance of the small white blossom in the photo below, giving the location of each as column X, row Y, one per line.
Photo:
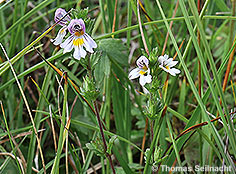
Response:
column 59, row 14
column 78, row 40
column 142, row 71
column 167, row 63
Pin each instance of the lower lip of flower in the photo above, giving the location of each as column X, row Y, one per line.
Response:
column 78, row 42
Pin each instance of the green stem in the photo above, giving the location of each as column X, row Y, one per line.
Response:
column 104, row 24
column 158, row 124
column 161, row 21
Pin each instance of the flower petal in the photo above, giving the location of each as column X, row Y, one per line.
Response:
column 142, row 80
column 90, row 41
column 76, row 27
column 76, row 54
column 161, row 59
column 167, row 61
column 60, row 35
column 142, row 61
column 162, row 67
column 60, row 13
column 174, row 71
column 145, row 90
column 172, row 63
column 87, row 43
column 83, row 52
column 148, row 78
column 67, row 45
column 134, row 74
column 79, row 52
column 166, row 56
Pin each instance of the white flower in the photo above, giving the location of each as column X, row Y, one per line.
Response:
column 78, row 40
column 60, row 35
column 59, row 14
column 167, row 63
column 142, row 71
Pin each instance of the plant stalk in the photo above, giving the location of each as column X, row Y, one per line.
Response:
column 103, row 136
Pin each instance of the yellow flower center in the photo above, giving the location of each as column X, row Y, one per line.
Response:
column 78, row 42
column 167, row 67
column 142, row 72
column 79, row 33
column 62, row 31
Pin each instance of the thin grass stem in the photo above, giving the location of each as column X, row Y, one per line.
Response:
column 28, row 108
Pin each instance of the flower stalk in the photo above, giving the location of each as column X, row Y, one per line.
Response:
column 100, row 124
column 103, row 136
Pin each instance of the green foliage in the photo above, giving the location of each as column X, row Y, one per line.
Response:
column 110, row 144
column 109, row 49
column 83, row 14
column 95, row 59
column 88, row 89
column 153, row 108
column 153, row 56
column 114, row 49
column 97, row 147
column 99, row 72
column 155, row 158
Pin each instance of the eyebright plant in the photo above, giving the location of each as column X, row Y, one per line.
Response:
column 148, row 71
column 78, row 39
column 143, row 71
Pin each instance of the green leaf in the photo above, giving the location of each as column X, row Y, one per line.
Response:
column 115, row 49
column 71, row 62
column 111, row 142
column 222, row 6
column 102, row 68
column 97, row 147
column 94, row 59
column 89, row 89
column 82, row 13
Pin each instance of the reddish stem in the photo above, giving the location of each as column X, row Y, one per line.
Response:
column 103, row 136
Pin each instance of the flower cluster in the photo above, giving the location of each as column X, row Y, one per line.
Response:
column 167, row 63
column 78, row 39
column 143, row 71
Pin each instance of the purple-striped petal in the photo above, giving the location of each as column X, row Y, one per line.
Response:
column 59, row 14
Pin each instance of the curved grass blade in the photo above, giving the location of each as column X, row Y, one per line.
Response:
column 28, row 108
column 214, row 131
column 22, row 52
